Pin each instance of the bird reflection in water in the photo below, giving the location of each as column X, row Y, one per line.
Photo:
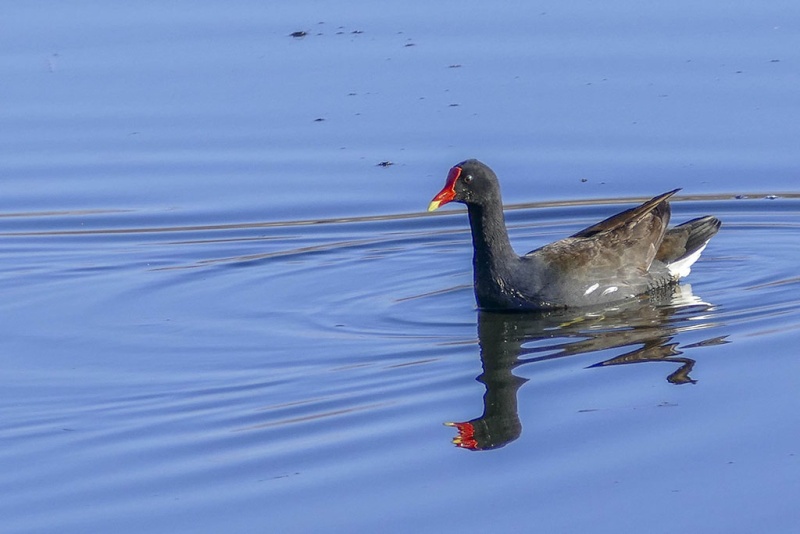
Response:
column 508, row 340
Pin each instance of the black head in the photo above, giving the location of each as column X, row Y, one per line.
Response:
column 469, row 182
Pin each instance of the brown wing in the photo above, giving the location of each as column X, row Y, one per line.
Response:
column 626, row 241
column 626, row 217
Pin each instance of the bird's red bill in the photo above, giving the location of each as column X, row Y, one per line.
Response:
column 449, row 192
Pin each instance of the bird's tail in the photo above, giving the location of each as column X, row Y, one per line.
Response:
column 686, row 242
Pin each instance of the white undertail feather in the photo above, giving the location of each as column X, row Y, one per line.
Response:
column 682, row 267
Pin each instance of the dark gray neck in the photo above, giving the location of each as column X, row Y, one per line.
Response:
column 493, row 251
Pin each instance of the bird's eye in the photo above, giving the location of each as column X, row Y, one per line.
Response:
column 468, row 179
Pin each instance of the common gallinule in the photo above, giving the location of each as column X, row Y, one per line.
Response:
column 628, row 254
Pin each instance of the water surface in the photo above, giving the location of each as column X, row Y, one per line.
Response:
column 222, row 313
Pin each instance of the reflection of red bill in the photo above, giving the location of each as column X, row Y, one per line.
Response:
column 466, row 432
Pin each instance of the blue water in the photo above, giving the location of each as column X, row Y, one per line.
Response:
column 221, row 313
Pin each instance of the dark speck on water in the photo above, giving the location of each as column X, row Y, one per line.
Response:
column 298, row 34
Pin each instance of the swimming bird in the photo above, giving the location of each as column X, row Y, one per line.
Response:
column 628, row 254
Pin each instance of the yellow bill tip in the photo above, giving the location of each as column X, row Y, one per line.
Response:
column 434, row 205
